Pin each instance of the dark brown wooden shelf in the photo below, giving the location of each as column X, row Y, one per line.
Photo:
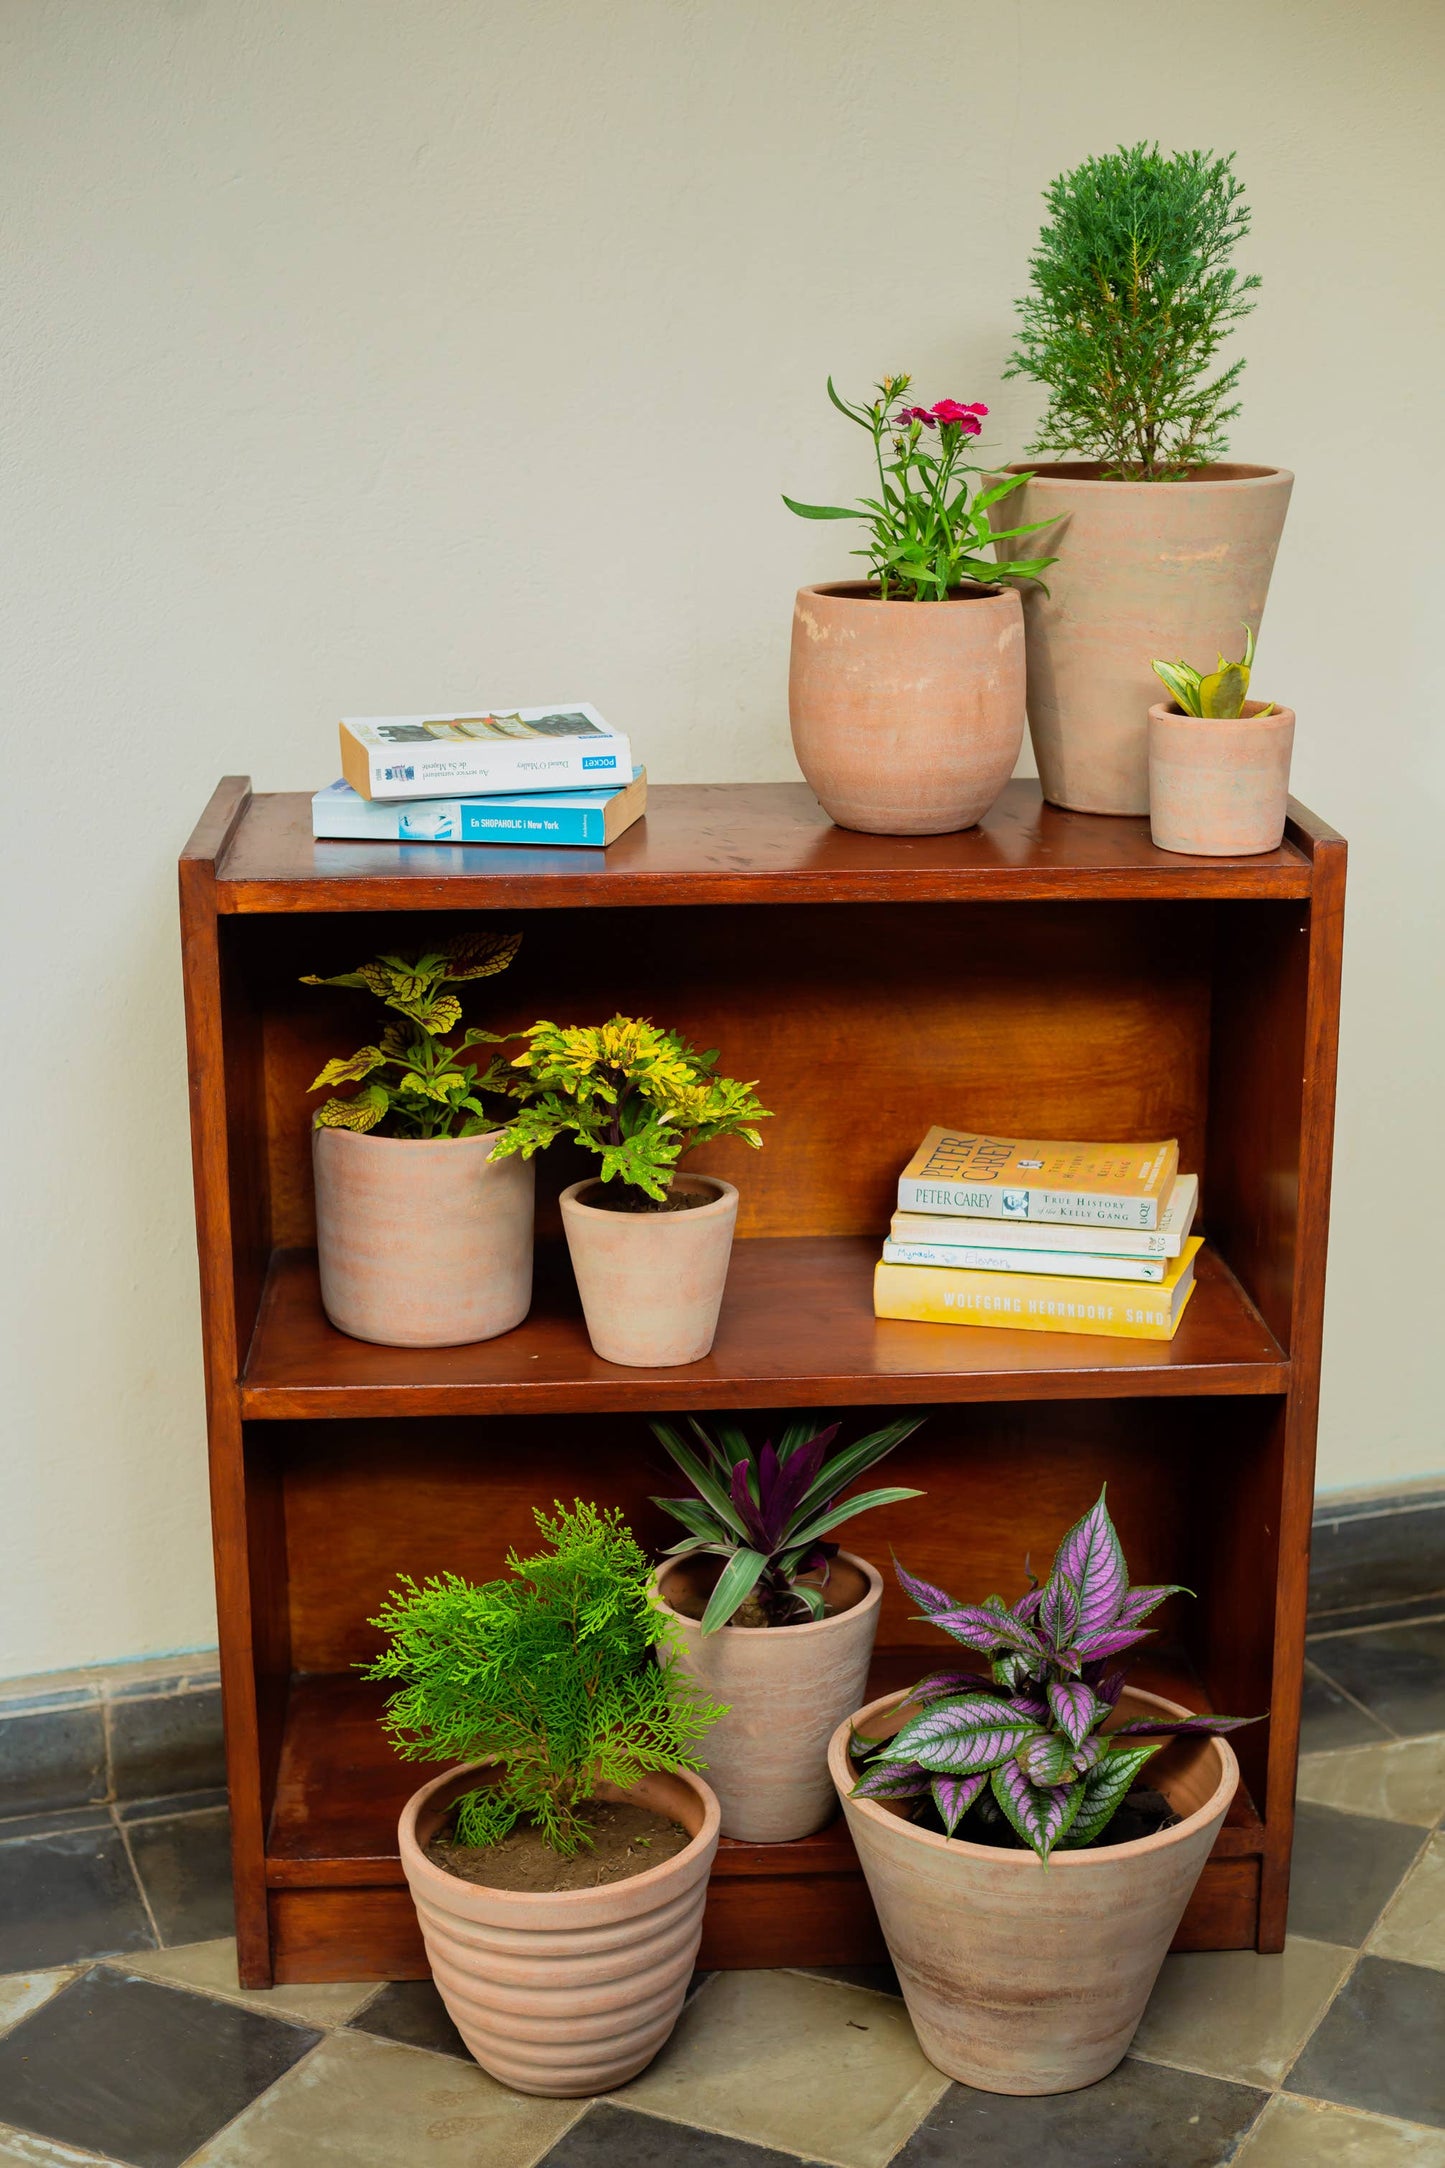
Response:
column 797, row 1330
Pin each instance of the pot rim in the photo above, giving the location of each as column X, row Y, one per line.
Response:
column 570, row 1199
column 1070, row 473
column 404, row 1144
column 869, row 1601
column 1216, row 1804
column 417, row 1866
column 866, row 591
column 1164, row 711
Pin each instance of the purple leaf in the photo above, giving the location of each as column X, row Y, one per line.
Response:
column 1075, row 1708
column 1047, row 1760
column 1109, row 1686
column 939, row 1683
column 1059, row 1610
column 791, row 1481
column 768, row 1515
column 892, row 1780
column 955, row 1737
column 1139, row 1602
column 1182, row 1727
column 979, row 1628
column 746, row 1511
column 1102, row 1792
column 1041, row 1817
column 1028, row 1605
column 1030, row 1705
column 928, row 1598
column 1088, row 1752
column 1091, row 1558
column 1110, row 1643
column 953, row 1796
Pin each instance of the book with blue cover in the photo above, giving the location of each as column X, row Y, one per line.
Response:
column 579, row 819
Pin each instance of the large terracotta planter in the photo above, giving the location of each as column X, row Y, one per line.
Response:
column 1219, row 789
column 567, row 1992
column 1021, row 1978
column 422, row 1242
column 786, row 1689
column 907, row 716
column 651, row 1282
column 1144, row 568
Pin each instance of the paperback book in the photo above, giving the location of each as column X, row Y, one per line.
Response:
column 454, row 756
column 578, row 819
column 1176, row 1217
column 1037, row 1302
column 961, row 1174
column 981, row 1257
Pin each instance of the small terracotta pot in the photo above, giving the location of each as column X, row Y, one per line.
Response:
column 571, row 1991
column 1219, row 789
column 1024, row 1978
column 1144, row 569
column 786, row 1689
column 907, row 716
column 651, row 1282
column 422, row 1241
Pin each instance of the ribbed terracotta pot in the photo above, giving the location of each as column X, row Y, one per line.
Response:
column 651, row 1282
column 1144, row 569
column 421, row 1241
column 573, row 1991
column 1219, row 789
column 907, row 716
column 1021, row 1978
column 786, row 1689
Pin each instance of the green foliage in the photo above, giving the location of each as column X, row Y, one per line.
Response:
column 433, row 1093
column 928, row 537
column 1219, row 696
column 1133, row 294
column 550, row 1674
column 637, row 1096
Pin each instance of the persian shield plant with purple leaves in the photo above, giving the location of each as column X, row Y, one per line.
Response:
column 1036, row 1739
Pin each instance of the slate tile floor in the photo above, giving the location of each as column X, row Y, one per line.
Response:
column 126, row 2038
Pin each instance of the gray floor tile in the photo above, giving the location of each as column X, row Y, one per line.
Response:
column 26, row 2149
column 1412, row 1925
column 53, row 1821
column 1398, row 1672
column 1329, row 1719
column 139, row 2073
column 210, row 1967
column 67, row 1896
column 881, row 1978
column 1402, row 1781
column 412, row 2012
column 1381, row 2044
column 1235, row 2014
column 1346, row 1869
column 1141, row 2116
column 53, row 1758
column 609, row 2137
column 150, row 1810
column 166, row 1743
column 1295, row 2133
column 185, row 1864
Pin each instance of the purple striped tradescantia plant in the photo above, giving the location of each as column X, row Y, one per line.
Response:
column 1037, row 1739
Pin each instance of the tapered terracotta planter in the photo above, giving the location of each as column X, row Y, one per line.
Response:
column 421, row 1241
column 567, row 1992
column 786, row 1689
column 1021, row 1978
column 1219, row 789
column 651, row 1282
column 907, row 716
column 1144, row 569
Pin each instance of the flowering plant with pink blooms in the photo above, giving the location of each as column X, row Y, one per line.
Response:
column 929, row 537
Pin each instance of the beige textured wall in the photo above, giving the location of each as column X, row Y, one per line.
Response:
column 369, row 355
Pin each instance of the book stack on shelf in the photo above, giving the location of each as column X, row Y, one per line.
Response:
column 549, row 776
column 1041, row 1237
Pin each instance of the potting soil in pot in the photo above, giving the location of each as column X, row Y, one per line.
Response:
column 690, row 1586
column 1143, row 1814
column 626, row 1840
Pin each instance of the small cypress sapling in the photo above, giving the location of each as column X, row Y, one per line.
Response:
column 549, row 1673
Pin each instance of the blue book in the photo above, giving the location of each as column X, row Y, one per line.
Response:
column 588, row 819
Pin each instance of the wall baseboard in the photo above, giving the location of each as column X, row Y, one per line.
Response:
column 1377, row 1559
column 113, row 1733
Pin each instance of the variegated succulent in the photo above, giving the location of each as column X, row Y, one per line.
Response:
column 1043, row 1742
column 1215, row 695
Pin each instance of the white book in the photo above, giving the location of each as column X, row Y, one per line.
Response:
column 1063, row 1264
column 564, row 747
column 1176, row 1217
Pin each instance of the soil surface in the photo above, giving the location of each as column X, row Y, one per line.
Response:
column 626, row 1840
column 688, row 1590
column 618, row 1197
column 1143, row 1814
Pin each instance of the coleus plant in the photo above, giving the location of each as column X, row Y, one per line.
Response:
column 1038, row 1740
column 767, row 1512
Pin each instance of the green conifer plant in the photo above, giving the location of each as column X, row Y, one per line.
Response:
column 550, row 1673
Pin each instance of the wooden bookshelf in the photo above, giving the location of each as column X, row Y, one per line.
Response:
column 1046, row 973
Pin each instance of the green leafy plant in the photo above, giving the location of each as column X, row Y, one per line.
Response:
column 767, row 1512
column 639, row 1097
column 928, row 537
column 1133, row 295
column 1221, row 694
column 412, row 1079
column 550, row 1673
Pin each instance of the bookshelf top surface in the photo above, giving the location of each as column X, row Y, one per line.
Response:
column 729, row 843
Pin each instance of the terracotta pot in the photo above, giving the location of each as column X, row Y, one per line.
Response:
column 421, row 1241
column 907, row 716
column 1219, row 789
column 1021, row 1978
column 1145, row 568
column 573, row 1991
column 651, row 1282
column 786, row 1689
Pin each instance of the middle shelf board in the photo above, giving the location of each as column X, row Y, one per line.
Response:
column 797, row 1330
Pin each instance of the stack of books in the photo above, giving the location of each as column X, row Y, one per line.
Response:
column 1041, row 1237
column 549, row 776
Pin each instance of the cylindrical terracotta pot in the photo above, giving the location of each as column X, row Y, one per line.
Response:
column 907, row 716
column 1144, row 569
column 786, row 1689
column 564, row 1992
column 422, row 1241
column 651, row 1282
column 1025, row 1978
column 1219, row 789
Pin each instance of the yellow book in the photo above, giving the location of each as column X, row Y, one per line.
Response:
column 1038, row 1302
column 955, row 1171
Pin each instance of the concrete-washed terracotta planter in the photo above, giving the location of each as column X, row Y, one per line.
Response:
column 1219, row 788
column 422, row 1241
column 1025, row 1978
column 1144, row 569
column 564, row 1992
column 907, row 716
column 651, row 1282
column 786, row 1689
